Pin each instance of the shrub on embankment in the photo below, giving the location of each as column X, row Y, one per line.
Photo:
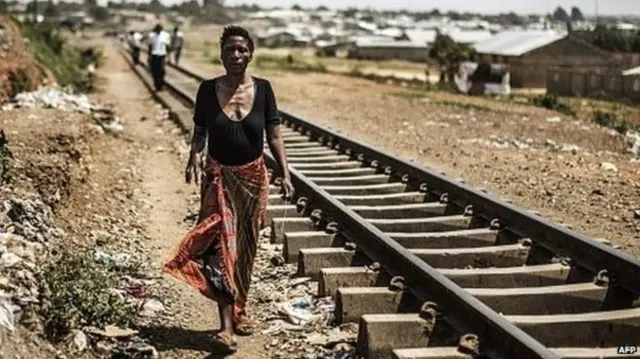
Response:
column 19, row 71
column 68, row 63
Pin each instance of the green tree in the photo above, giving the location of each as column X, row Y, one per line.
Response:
column 560, row 15
column 51, row 10
column 611, row 39
column 188, row 8
column 322, row 8
column 4, row 6
column 576, row 14
column 99, row 13
column 449, row 55
column 156, row 7
column 296, row 7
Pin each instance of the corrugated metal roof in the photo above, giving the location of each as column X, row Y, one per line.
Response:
column 470, row 36
column 632, row 71
column 390, row 31
column 421, row 37
column 367, row 43
column 517, row 43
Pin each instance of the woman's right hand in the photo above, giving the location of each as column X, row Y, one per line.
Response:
column 193, row 168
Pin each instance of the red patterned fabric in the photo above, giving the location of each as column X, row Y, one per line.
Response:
column 233, row 205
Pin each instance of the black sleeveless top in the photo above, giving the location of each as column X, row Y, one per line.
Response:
column 235, row 142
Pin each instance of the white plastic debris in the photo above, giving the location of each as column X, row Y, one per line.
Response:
column 633, row 138
column 609, row 167
column 296, row 311
column 6, row 316
column 54, row 98
column 80, row 341
column 151, row 308
column 115, row 259
column 9, row 260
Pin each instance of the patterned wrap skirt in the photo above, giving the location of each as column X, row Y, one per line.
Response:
column 216, row 256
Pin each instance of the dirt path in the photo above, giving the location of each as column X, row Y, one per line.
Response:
column 159, row 162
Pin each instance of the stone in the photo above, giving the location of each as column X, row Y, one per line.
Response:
column 609, row 167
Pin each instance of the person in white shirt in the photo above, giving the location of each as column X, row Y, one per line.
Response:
column 159, row 44
column 134, row 40
column 176, row 44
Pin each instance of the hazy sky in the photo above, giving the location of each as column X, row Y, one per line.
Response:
column 625, row 7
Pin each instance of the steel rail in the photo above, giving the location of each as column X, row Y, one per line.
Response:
column 463, row 311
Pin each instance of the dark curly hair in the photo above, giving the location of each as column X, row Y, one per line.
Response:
column 234, row 30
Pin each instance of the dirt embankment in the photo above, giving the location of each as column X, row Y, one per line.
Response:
column 48, row 157
column 19, row 71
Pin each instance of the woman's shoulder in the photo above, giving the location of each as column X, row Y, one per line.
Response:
column 208, row 83
column 261, row 80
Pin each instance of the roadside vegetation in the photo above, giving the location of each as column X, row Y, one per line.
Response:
column 69, row 64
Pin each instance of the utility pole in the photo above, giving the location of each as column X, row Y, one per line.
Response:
column 596, row 4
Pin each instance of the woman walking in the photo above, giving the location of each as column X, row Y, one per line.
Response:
column 233, row 111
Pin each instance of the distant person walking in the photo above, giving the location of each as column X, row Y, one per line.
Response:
column 159, row 44
column 134, row 39
column 177, row 40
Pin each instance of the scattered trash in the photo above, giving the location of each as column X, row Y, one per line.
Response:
column 66, row 100
column 291, row 313
column 609, row 167
column 562, row 147
column 118, row 260
column 501, row 142
column 633, row 138
column 6, row 316
column 80, row 341
column 151, row 308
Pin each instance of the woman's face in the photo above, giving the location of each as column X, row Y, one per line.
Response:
column 236, row 55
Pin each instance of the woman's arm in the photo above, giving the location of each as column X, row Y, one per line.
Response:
column 276, row 145
column 199, row 138
column 275, row 140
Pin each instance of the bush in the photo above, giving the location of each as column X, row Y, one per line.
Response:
column 551, row 102
column 5, row 158
column 610, row 120
column 76, row 291
column 66, row 62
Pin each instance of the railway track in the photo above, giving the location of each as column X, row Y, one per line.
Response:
column 430, row 267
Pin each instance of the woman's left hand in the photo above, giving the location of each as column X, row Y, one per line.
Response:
column 287, row 189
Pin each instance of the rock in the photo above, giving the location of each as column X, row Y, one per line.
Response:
column 633, row 138
column 80, row 341
column 277, row 261
column 151, row 308
column 6, row 316
column 135, row 350
column 598, row 192
column 609, row 167
column 9, row 260
column 636, row 214
column 112, row 331
column 103, row 347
